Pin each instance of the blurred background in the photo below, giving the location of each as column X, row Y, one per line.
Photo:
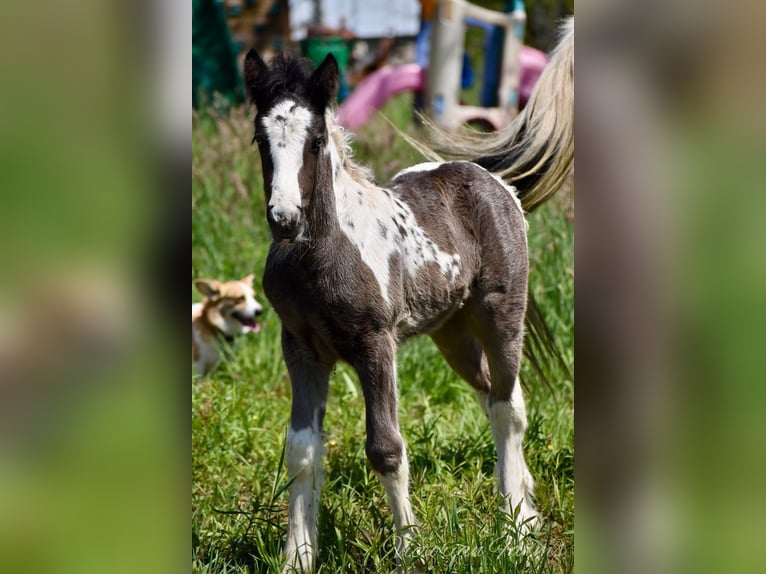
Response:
column 94, row 453
column 670, row 287
column 367, row 36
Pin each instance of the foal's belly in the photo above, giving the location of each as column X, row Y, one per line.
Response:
column 423, row 314
column 331, row 311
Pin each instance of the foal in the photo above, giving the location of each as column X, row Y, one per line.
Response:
column 354, row 269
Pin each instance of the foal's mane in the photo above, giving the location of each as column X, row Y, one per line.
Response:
column 342, row 140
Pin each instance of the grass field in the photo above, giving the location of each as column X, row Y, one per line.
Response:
column 240, row 412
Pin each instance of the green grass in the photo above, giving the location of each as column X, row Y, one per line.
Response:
column 240, row 412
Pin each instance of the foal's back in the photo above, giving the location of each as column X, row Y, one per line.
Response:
column 467, row 210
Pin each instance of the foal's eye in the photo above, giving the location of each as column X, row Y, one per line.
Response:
column 318, row 143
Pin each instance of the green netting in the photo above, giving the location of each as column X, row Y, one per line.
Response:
column 214, row 64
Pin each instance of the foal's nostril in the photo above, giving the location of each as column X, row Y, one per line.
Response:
column 281, row 217
column 284, row 224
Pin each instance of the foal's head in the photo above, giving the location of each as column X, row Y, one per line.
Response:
column 292, row 136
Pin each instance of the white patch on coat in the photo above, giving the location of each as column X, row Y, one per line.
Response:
column 304, row 462
column 508, row 420
column 380, row 224
column 432, row 165
column 396, row 485
column 425, row 166
column 286, row 127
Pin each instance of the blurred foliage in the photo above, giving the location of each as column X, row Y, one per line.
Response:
column 214, row 66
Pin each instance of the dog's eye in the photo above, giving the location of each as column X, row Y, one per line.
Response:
column 318, row 143
column 258, row 139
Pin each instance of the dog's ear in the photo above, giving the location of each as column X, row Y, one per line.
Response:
column 249, row 280
column 208, row 287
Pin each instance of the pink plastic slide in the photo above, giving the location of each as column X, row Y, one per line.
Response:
column 370, row 95
column 532, row 62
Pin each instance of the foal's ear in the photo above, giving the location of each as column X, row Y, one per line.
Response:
column 323, row 84
column 255, row 70
column 208, row 287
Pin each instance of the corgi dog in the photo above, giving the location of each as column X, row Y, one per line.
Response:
column 226, row 311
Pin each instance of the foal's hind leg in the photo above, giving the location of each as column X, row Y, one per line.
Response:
column 385, row 446
column 483, row 343
column 508, row 419
column 463, row 353
column 507, row 413
column 497, row 322
column 309, row 379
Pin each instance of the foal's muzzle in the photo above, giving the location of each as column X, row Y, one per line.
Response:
column 284, row 226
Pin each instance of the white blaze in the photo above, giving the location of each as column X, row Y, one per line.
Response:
column 286, row 128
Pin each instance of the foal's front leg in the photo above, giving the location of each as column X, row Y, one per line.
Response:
column 309, row 378
column 385, row 447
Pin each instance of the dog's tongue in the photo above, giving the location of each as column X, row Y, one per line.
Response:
column 248, row 322
column 251, row 323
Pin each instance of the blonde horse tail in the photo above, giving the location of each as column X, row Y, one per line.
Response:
column 535, row 152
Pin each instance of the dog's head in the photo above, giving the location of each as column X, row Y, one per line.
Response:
column 230, row 307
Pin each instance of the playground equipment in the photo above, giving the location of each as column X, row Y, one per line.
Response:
column 446, row 58
column 214, row 65
column 510, row 72
column 372, row 93
column 315, row 48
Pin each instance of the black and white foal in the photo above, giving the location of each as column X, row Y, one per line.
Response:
column 355, row 268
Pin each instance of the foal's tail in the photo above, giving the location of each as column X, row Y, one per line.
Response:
column 535, row 152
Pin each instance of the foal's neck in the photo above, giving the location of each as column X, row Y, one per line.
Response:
column 338, row 182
